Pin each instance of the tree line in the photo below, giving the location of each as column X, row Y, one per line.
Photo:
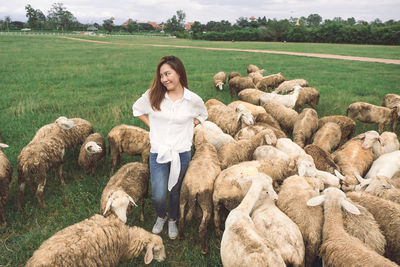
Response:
column 304, row 29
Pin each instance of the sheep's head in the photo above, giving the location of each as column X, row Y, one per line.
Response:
column 369, row 139
column 333, row 194
column 154, row 250
column 93, row 148
column 118, row 203
column 65, row 123
column 266, row 182
column 306, row 168
column 244, row 115
column 220, row 85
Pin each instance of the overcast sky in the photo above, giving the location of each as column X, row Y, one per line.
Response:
column 90, row 11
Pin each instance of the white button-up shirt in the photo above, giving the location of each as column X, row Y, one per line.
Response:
column 171, row 128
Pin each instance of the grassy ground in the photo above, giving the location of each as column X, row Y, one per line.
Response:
column 44, row 77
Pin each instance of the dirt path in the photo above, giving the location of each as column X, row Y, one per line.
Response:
column 330, row 56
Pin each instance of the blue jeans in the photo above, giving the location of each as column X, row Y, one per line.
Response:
column 159, row 173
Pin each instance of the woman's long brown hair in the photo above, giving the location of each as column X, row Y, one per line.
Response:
column 157, row 89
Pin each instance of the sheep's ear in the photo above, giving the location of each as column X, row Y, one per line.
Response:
column 108, row 205
column 339, row 175
column 358, row 176
column 149, row 254
column 347, row 205
column 131, row 200
column 239, row 116
column 315, row 201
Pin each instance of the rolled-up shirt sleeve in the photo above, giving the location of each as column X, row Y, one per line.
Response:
column 202, row 110
column 142, row 105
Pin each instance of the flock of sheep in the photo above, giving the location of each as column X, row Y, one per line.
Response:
column 322, row 194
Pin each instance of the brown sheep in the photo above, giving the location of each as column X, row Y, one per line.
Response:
column 323, row 160
column 268, row 83
column 251, row 95
column 391, row 101
column 253, row 68
column 128, row 139
column 250, row 131
column 328, row 136
column 233, row 74
column 213, row 101
column 369, row 113
column 237, row 84
column 198, row 185
column 6, row 171
column 307, row 95
column 305, row 126
column 97, row 241
column 255, row 110
column 92, row 151
column 286, row 117
column 38, row 158
column 347, row 125
column 288, row 86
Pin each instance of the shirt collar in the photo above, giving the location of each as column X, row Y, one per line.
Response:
column 186, row 94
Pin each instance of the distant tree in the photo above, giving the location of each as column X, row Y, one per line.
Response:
column 108, row 25
column 17, row 25
column 176, row 23
column 242, row 22
column 7, row 22
column 377, row 22
column 351, row 21
column 262, row 21
column 278, row 29
column 32, row 15
column 130, row 27
column 60, row 18
column 338, row 20
column 313, row 20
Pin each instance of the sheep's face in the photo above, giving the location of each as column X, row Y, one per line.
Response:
column 158, row 249
column 307, row 168
column 369, row 139
column 379, row 184
column 220, row 86
column 65, row 123
column 118, row 202
column 246, row 117
column 93, row 148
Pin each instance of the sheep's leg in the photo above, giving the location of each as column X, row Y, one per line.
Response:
column 217, row 219
column 21, row 190
column 40, row 191
column 205, row 205
column 3, row 220
column 182, row 205
column 145, row 156
column 394, row 122
column 60, row 175
column 380, row 127
column 142, row 211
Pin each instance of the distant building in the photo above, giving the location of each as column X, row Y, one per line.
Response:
column 154, row 24
column 252, row 18
column 126, row 22
column 92, row 28
column 188, row 25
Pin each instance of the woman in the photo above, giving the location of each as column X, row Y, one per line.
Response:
column 171, row 111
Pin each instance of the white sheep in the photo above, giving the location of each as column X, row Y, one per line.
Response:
column 214, row 134
column 328, row 136
column 308, row 169
column 292, row 149
column 242, row 244
column 278, row 229
column 6, row 171
column 128, row 185
column 255, row 109
column 231, row 184
column 387, row 215
column 388, row 142
column 92, row 151
column 97, row 241
column 379, row 186
column 338, row 247
column 250, row 131
column 288, row 101
column 219, row 80
column 305, row 126
column 242, row 150
column 230, row 120
column 268, row 152
column 386, row 165
column 198, row 185
column 128, row 139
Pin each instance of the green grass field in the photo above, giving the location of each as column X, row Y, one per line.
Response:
column 44, row 77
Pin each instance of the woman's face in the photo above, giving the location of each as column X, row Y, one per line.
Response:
column 169, row 78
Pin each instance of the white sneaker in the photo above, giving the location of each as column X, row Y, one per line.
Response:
column 159, row 225
column 172, row 229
